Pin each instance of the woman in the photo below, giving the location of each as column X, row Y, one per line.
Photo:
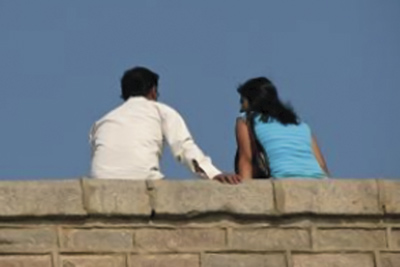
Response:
column 289, row 145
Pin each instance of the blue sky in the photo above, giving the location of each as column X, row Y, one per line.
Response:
column 337, row 62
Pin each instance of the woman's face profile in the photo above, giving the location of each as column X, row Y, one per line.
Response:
column 244, row 104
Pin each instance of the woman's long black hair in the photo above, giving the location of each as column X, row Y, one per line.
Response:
column 263, row 100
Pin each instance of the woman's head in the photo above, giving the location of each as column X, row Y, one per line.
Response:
column 259, row 95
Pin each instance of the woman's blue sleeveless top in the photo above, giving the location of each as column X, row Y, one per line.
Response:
column 289, row 149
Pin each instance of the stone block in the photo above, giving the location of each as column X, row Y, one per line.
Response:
column 25, row 261
column 188, row 198
column 244, row 260
column 93, row 261
column 351, row 238
column 390, row 259
column 39, row 198
column 180, row 239
column 175, row 260
column 333, row 260
column 27, row 240
column 395, row 237
column 331, row 197
column 96, row 240
column 116, row 197
column 270, row 238
column 390, row 196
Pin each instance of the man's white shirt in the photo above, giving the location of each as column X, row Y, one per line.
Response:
column 127, row 143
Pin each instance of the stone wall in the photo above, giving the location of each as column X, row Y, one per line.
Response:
column 293, row 223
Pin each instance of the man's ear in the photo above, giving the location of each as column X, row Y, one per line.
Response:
column 153, row 95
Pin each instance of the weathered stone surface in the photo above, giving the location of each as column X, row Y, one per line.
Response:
column 34, row 198
column 307, row 237
column 27, row 240
column 390, row 196
column 333, row 260
column 351, row 238
column 338, row 197
column 96, row 240
column 25, row 261
column 177, row 260
column 188, row 198
column 116, row 197
column 396, row 237
column 270, row 238
column 390, row 259
column 180, row 239
column 244, row 260
column 93, row 261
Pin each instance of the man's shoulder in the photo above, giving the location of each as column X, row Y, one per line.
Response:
column 112, row 111
column 165, row 108
column 110, row 114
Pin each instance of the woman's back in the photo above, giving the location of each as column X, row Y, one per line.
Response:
column 289, row 149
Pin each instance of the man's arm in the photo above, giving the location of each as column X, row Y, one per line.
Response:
column 185, row 149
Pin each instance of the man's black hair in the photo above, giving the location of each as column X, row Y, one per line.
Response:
column 138, row 81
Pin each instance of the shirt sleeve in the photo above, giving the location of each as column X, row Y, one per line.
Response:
column 91, row 139
column 182, row 144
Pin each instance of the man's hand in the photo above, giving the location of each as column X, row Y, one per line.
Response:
column 227, row 178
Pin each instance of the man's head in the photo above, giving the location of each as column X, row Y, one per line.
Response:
column 139, row 81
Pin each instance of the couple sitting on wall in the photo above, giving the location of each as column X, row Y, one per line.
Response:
column 127, row 142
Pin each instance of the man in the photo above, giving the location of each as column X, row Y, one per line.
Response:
column 127, row 142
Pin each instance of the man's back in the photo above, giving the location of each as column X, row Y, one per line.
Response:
column 127, row 142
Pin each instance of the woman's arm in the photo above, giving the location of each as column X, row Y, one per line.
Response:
column 318, row 155
column 244, row 149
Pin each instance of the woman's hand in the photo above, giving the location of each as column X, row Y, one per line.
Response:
column 227, row 178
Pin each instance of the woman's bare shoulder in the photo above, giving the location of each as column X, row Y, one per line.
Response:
column 240, row 120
